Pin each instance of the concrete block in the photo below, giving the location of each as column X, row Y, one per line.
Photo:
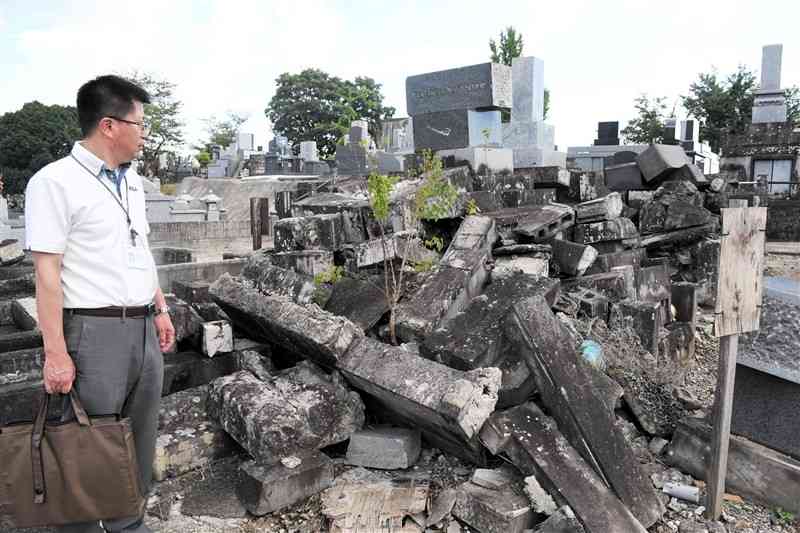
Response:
column 605, row 262
column 24, row 313
column 283, row 416
column 188, row 322
column 534, row 266
column 191, row 291
column 609, row 230
column 616, row 285
column 493, row 511
column 187, row 437
column 562, row 521
column 593, row 304
column 11, row 252
column 571, row 258
column 185, row 370
column 279, row 280
column 607, row 207
column 318, row 232
column 265, row 489
column 309, row 262
column 386, row 448
column 217, row 337
column 544, row 221
column 659, row 160
column 646, row 318
column 306, row 331
column 624, row 177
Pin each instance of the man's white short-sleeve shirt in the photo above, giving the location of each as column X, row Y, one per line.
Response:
column 70, row 209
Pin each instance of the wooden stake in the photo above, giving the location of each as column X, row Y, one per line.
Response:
column 723, row 407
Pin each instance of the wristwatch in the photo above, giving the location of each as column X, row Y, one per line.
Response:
column 161, row 310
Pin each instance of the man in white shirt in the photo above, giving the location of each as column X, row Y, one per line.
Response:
column 103, row 318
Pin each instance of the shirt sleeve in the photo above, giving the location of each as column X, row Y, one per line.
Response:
column 47, row 219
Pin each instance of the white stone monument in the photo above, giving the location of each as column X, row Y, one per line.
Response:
column 308, row 151
column 769, row 104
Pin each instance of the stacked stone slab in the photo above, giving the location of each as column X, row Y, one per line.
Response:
column 531, row 139
column 458, row 112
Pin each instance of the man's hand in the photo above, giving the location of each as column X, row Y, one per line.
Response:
column 58, row 372
column 166, row 331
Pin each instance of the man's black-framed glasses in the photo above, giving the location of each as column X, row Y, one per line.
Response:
column 143, row 126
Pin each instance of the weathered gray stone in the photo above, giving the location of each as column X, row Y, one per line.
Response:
column 318, row 232
column 210, row 311
column 277, row 281
column 605, row 262
column 607, row 207
column 310, row 262
column 487, row 85
column 565, row 381
column 296, row 410
column 187, row 437
column 191, row 291
column 11, row 252
column 535, row 265
column 474, row 338
column 388, row 448
column 541, row 501
column 593, row 304
column 267, row 488
column 646, row 318
column 548, row 176
column 461, row 276
column 562, row 521
column 615, row 285
column 533, row 443
column 187, row 322
column 184, row 370
column 609, row 230
column 624, row 177
column 306, row 331
column 544, row 221
column 493, row 511
column 658, row 160
column 362, row 302
column 24, row 313
column 496, row 478
column 448, row 405
column 571, row 258
column 254, row 362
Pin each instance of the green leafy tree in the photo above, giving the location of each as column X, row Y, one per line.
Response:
column 203, row 158
column 510, row 46
column 793, row 104
column 434, row 200
column 315, row 106
column 721, row 104
column 223, row 132
column 648, row 126
column 32, row 137
column 163, row 115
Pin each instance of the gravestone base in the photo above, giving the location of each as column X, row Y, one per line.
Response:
column 496, row 159
column 535, row 156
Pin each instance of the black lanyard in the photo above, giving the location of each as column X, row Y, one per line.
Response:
column 125, row 210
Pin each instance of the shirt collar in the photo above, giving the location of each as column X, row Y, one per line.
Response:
column 92, row 162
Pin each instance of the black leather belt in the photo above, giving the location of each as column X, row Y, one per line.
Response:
column 114, row 312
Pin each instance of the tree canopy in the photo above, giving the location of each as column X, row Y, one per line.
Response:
column 163, row 115
column 224, row 131
column 32, row 137
column 648, row 125
column 315, row 106
column 727, row 103
column 510, row 46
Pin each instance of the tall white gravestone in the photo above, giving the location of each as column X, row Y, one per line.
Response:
column 769, row 104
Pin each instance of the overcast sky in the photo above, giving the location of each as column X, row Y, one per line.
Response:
column 598, row 55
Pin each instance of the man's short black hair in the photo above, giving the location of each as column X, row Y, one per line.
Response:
column 107, row 96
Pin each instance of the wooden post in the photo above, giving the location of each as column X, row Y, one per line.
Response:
column 259, row 220
column 738, row 310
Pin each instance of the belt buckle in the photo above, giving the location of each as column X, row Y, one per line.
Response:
column 149, row 309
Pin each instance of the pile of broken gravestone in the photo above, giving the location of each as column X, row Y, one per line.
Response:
column 490, row 361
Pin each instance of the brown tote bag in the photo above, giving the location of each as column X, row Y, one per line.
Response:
column 61, row 473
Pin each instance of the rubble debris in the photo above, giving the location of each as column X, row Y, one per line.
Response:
column 267, row 488
column 257, row 364
column 11, row 252
column 441, row 507
column 363, row 501
column 297, row 409
column 545, row 221
column 562, row 521
column 277, row 281
column 187, row 437
column 474, row 338
column 309, row 262
column 533, row 443
column 659, row 161
column 522, row 249
column 675, row 205
column 316, row 232
column 607, row 207
column 571, row 258
column 24, row 313
column 754, row 472
column 217, row 338
column 565, row 382
column 499, row 510
column 448, row 405
column 593, row 304
column 644, row 317
column 189, row 369
column 536, row 265
column 624, row 177
column 307, row 331
column 541, row 501
column 459, row 277
column 192, row 292
column 361, row 301
column 616, row 285
column 678, row 237
column 605, row 262
column 619, row 229
column 187, row 322
column 494, row 479
column 386, row 448
column 689, row 493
